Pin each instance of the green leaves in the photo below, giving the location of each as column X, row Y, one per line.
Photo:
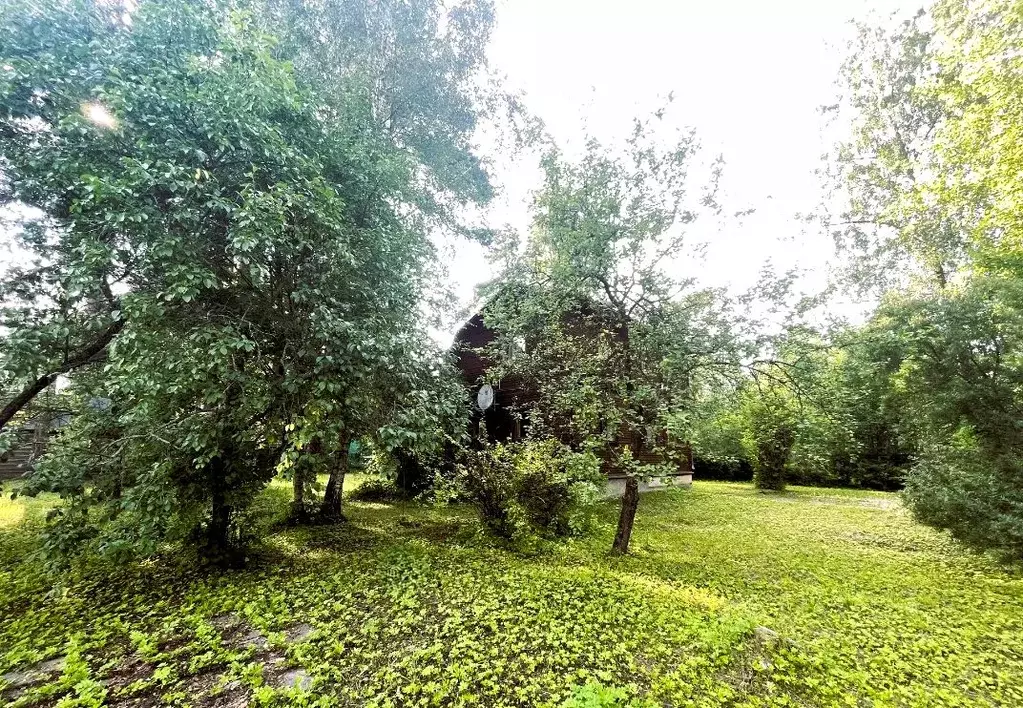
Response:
column 410, row 606
column 936, row 105
column 258, row 225
column 532, row 490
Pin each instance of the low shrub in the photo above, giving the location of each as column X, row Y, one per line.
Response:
column 537, row 488
column 416, row 474
column 773, row 446
column 728, row 470
column 405, row 474
column 971, row 490
column 379, row 491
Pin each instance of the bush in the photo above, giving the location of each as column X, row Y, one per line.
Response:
column 531, row 489
column 722, row 470
column 773, row 446
column 972, row 491
column 961, row 381
column 415, row 474
column 769, row 437
column 379, row 491
column 402, row 475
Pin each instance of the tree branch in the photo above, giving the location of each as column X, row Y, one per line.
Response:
column 81, row 357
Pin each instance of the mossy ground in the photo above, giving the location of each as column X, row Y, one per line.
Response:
column 407, row 605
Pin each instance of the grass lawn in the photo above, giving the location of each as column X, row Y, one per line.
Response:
column 406, row 605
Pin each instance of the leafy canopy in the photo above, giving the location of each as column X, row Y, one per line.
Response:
column 239, row 239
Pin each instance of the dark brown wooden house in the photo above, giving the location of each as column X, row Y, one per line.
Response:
column 506, row 418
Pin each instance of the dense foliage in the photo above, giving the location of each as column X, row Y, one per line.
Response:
column 933, row 173
column 538, row 488
column 227, row 217
column 590, row 313
column 926, row 392
column 213, row 218
column 961, row 380
column 769, row 436
column 837, row 394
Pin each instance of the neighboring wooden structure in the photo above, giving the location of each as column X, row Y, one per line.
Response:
column 18, row 461
column 503, row 420
column 30, row 441
column 32, row 429
column 513, row 396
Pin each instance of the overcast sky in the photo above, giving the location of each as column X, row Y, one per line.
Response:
column 749, row 75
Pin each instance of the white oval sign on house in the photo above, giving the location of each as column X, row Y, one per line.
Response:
column 485, row 397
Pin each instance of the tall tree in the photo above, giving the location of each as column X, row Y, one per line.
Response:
column 611, row 339
column 957, row 343
column 961, row 378
column 420, row 67
column 237, row 237
column 979, row 139
column 884, row 213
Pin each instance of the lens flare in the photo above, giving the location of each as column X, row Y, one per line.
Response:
column 99, row 115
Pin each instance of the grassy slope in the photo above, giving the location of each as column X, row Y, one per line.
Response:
column 410, row 607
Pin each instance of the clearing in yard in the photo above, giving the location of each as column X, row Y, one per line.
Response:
column 731, row 598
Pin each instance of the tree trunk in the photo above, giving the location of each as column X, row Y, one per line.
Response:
column 627, row 515
column 331, row 507
column 73, row 361
column 218, row 539
column 298, row 495
column 630, row 499
column 220, row 524
column 223, row 482
column 303, row 466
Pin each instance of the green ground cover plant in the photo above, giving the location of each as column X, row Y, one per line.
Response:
column 810, row 597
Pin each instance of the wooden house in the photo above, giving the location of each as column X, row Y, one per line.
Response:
column 506, row 417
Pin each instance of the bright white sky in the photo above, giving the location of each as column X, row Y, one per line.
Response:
column 749, row 75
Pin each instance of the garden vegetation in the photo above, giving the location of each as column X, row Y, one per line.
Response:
column 729, row 598
column 227, row 218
